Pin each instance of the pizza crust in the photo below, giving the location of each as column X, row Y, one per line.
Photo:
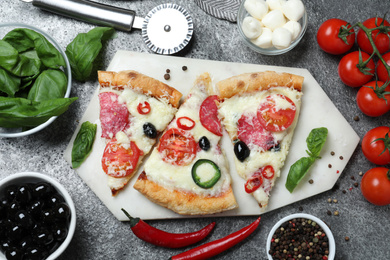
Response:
column 258, row 81
column 185, row 203
column 138, row 81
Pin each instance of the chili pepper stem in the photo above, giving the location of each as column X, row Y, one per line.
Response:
column 133, row 221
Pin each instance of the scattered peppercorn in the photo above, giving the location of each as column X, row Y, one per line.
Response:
column 168, row 71
column 329, row 212
column 341, row 157
column 356, row 184
column 332, row 153
column 329, row 200
column 336, row 213
column 311, row 181
column 346, row 238
column 335, row 200
column 360, row 173
column 344, row 191
column 330, row 165
column 356, row 118
column 184, row 68
column 352, row 177
column 299, row 238
column 167, row 76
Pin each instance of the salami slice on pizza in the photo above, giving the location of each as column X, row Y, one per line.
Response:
column 260, row 112
column 134, row 109
column 187, row 171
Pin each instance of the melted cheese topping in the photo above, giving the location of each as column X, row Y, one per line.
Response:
column 179, row 177
column 231, row 111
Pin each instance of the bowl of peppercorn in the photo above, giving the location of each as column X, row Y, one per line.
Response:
column 37, row 217
column 301, row 236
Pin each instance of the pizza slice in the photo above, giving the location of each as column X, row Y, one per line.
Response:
column 260, row 112
column 134, row 109
column 187, row 171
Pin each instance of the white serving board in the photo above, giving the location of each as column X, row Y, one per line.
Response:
column 317, row 111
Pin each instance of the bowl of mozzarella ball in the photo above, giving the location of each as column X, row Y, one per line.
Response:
column 272, row 27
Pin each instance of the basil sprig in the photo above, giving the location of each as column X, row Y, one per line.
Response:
column 83, row 50
column 315, row 141
column 83, row 143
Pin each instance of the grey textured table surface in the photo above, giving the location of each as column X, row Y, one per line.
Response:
column 99, row 235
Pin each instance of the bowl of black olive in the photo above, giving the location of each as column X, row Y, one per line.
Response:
column 301, row 236
column 37, row 217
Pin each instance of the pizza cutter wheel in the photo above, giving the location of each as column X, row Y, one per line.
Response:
column 166, row 29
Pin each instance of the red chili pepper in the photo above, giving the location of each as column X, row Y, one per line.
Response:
column 143, row 108
column 216, row 247
column 182, row 123
column 268, row 172
column 161, row 238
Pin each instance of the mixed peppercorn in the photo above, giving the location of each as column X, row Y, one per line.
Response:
column 299, row 238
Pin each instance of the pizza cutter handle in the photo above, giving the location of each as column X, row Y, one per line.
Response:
column 92, row 12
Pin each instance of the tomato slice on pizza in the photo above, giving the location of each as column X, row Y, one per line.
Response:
column 260, row 112
column 187, row 172
column 134, row 109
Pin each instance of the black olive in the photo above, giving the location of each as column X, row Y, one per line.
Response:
column 23, row 194
column 25, row 243
column 11, row 191
column 15, row 232
column 35, row 253
column 47, row 216
column 54, row 200
column 5, row 245
column 24, row 219
column 241, row 150
column 60, row 232
column 12, row 209
column 35, row 209
column 42, row 236
column 14, row 254
column 62, row 211
column 42, row 190
column 150, row 130
column 204, row 143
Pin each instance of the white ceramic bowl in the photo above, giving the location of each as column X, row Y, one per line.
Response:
column 34, row 177
column 328, row 232
column 242, row 13
column 18, row 132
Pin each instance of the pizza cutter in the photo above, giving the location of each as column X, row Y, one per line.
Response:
column 166, row 29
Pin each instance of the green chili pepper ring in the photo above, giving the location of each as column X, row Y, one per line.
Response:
column 206, row 184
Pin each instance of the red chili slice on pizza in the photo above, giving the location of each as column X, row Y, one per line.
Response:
column 134, row 109
column 261, row 110
column 187, row 172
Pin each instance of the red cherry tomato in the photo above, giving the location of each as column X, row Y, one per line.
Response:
column 375, row 186
column 119, row 161
column 208, row 115
column 376, row 145
column 381, row 39
column 275, row 117
column 372, row 103
column 350, row 74
column 383, row 74
column 185, row 123
column 328, row 37
column 143, row 108
column 177, row 147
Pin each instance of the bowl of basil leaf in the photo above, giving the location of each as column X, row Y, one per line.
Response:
column 35, row 80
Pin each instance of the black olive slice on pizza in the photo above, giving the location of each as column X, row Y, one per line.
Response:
column 260, row 112
column 134, row 109
column 187, row 172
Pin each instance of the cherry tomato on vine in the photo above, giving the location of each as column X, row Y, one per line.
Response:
column 349, row 71
column 383, row 74
column 376, row 145
column 328, row 37
column 372, row 100
column 381, row 39
column 375, row 186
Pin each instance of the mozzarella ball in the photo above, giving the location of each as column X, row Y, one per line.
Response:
column 274, row 19
column 265, row 39
column 281, row 38
column 294, row 27
column 275, row 4
column 293, row 9
column 251, row 27
column 257, row 8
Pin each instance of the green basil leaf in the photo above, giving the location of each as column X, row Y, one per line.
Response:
column 316, row 140
column 297, row 171
column 9, row 84
column 9, row 56
column 19, row 40
column 48, row 54
column 50, row 84
column 20, row 112
column 83, row 143
column 83, row 50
